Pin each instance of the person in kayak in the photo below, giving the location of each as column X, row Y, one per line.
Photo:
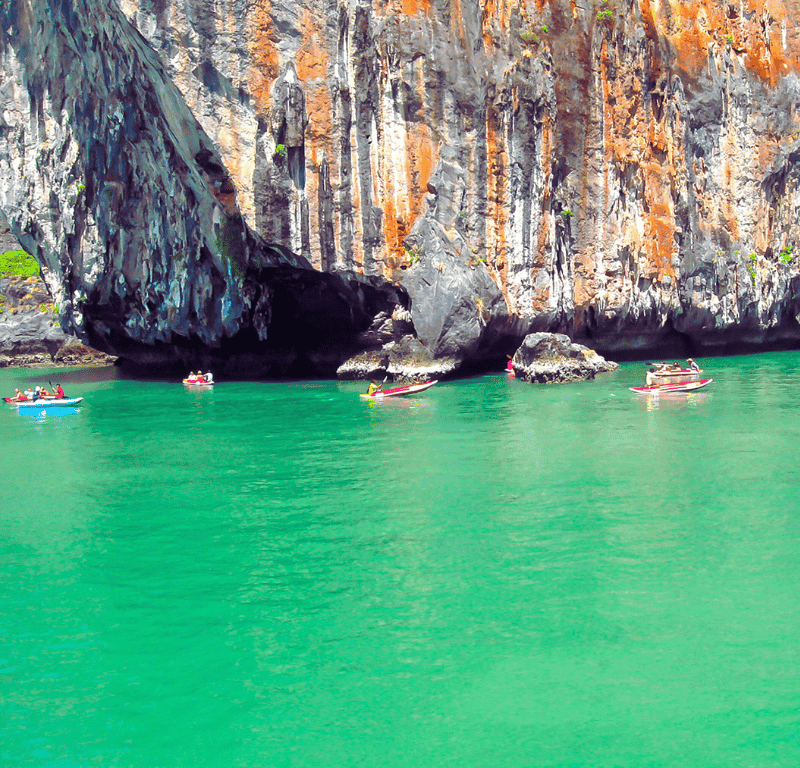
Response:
column 59, row 395
column 693, row 366
column 28, row 394
column 373, row 387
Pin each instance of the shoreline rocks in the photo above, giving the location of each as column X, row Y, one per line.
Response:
column 30, row 334
column 548, row 358
column 405, row 361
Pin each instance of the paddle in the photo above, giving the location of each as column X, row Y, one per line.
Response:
column 53, row 390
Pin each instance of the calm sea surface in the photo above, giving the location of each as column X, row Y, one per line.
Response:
column 489, row 574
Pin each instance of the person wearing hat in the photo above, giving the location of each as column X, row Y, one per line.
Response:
column 693, row 366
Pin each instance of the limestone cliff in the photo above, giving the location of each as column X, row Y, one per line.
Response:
column 109, row 181
column 622, row 171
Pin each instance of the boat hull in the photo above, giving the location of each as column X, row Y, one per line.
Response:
column 399, row 391
column 198, row 383
column 64, row 402
column 680, row 386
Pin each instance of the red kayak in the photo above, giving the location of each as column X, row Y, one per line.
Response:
column 407, row 390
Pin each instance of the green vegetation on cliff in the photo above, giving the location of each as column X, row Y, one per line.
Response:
column 18, row 263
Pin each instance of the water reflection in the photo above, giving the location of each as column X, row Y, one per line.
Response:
column 39, row 417
column 398, row 402
column 653, row 401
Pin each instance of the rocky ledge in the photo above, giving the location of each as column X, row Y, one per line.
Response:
column 30, row 334
column 548, row 358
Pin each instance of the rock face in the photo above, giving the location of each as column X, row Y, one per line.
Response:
column 619, row 170
column 30, row 333
column 548, row 358
column 29, row 329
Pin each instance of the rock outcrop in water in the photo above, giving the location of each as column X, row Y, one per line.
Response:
column 619, row 170
column 550, row 358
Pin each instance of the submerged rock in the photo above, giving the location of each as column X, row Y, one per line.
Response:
column 548, row 358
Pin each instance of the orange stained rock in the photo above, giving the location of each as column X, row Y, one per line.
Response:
column 495, row 20
column 584, row 289
column 403, row 205
column 659, row 225
column 404, row 197
column 496, row 189
column 264, row 55
column 312, row 56
column 751, row 29
column 540, row 300
column 413, row 7
column 319, row 110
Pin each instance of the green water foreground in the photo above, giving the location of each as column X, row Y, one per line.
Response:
column 493, row 573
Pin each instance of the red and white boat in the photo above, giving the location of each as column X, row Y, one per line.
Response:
column 198, row 382
column 665, row 379
column 396, row 391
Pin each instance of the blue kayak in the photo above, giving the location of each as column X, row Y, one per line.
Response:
column 47, row 403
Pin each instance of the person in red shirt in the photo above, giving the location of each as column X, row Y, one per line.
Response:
column 59, row 392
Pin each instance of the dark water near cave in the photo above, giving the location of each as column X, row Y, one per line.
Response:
column 491, row 574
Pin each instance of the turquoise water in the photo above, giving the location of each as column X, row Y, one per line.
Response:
column 489, row 574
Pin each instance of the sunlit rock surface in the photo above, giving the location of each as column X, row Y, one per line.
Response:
column 624, row 172
column 551, row 358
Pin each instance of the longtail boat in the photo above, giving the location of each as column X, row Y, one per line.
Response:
column 665, row 379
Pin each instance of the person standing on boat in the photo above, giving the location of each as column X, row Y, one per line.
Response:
column 693, row 366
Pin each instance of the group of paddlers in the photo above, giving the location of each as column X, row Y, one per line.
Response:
column 37, row 393
column 651, row 378
column 691, row 365
column 200, row 378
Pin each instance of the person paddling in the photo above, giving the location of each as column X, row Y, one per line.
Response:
column 373, row 387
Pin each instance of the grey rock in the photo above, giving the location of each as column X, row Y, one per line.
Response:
column 548, row 358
